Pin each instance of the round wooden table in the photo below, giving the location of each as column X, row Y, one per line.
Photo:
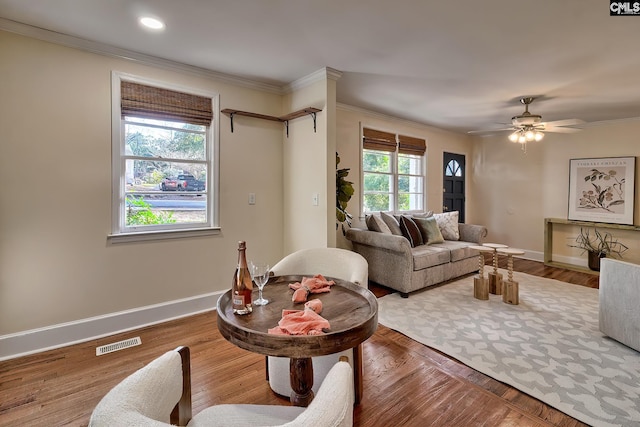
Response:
column 351, row 310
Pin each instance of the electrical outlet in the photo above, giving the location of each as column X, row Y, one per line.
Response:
column 252, row 198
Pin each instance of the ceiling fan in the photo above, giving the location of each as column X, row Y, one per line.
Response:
column 529, row 127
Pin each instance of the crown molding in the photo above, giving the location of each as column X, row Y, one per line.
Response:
column 115, row 52
column 322, row 74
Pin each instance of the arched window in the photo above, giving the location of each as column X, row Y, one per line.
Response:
column 453, row 169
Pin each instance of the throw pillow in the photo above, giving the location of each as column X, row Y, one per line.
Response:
column 392, row 223
column 411, row 231
column 448, row 224
column 375, row 223
column 430, row 231
column 423, row 214
column 371, row 223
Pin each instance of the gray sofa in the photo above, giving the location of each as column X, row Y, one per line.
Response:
column 395, row 264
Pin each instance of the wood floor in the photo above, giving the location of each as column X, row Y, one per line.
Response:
column 405, row 383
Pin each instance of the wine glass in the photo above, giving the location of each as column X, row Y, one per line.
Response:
column 260, row 275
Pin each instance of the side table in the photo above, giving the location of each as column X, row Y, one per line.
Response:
column 511, row 287
column 481, row 283
column 495, row 278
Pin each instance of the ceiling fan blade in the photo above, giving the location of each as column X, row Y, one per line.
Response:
column 560, row 129
column 566, row 122
column 480, row 132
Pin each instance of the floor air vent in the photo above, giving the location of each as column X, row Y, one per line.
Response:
column 120, row 345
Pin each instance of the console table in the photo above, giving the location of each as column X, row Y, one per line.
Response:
column 548, row 239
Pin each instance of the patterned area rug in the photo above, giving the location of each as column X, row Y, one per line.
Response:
column 549, row 346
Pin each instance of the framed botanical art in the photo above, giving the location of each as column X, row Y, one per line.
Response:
column 602, row 189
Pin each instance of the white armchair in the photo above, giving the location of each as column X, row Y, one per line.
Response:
column 331, row 262
column 160, row 393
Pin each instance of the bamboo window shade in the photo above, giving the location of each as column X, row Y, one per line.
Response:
column 378, row 140
column 164, row 104
column 411, row 145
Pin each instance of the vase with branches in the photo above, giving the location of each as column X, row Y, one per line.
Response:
column 598, row 245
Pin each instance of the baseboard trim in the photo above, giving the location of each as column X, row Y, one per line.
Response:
column 532, row 255
column 64, row 334
column 539, row 256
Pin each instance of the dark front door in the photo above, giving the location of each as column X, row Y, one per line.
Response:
column 453, row 183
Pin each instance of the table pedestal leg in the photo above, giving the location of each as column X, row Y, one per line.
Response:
column 510, row 293
column 511, row 287
column 495, row 283
column 301, row 376
column 480, row 288
column 495, row 278
column 480, row 284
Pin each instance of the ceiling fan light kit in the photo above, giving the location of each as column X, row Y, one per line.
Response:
column 528, row 127
column 526, row 134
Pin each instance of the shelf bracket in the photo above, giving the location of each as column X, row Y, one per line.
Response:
column 231, row 118
column 286, row 125
column 313, row 115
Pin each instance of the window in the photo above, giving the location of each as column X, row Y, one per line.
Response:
column 164, row 159
column 392, row 172
column 453, row 169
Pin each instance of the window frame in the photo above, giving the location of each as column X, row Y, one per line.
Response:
column 422, row 175
column 394, row 174
column 120, row 233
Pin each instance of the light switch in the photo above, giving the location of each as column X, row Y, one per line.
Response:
column 316, row 199
column 252, row 198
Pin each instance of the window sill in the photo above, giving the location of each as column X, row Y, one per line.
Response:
column 161, row 235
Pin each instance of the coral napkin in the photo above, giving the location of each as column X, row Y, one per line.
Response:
column 300, row 322
column 314, row 285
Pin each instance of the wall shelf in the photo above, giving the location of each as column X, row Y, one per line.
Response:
column 310, row 111
column 548, row 239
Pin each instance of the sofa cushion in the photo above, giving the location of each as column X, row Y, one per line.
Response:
column 411, row 231
column 392, row 223
column 459, row 250
column 429, row 256
column 448, row 223
column 430, row 231
column 375, row 223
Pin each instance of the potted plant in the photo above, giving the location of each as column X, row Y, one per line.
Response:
column 598, row 245
column 344, row 191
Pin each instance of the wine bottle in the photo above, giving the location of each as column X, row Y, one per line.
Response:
column 242, row 285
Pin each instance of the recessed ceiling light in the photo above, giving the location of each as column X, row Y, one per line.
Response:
column 152, row 23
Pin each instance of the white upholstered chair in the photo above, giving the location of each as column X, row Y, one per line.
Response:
column 330, row 262
column 160, row 393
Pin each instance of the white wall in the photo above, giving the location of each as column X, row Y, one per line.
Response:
column 55, row 165
column 349, row 121
column 517, row 190
column 307, row 159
